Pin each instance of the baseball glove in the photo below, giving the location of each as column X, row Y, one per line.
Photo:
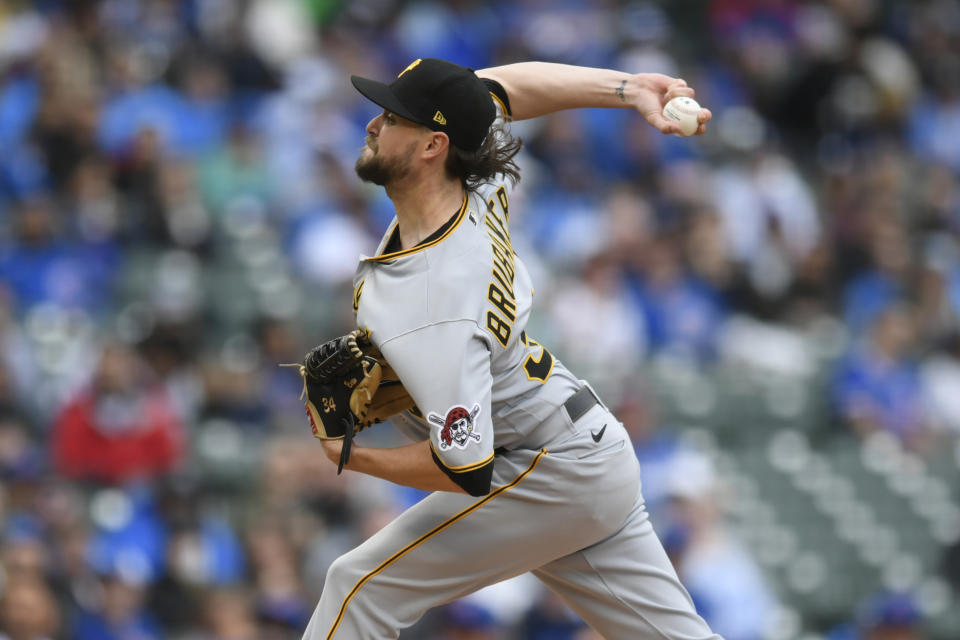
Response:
column 345, row 389
column 391, row 396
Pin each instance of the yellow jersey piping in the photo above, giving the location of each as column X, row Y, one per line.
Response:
column 386, row 563
column 464, row 468
column 420, row 247
column 356, row 296
column 503, row 108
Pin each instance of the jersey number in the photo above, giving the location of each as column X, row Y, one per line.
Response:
column 541, row 368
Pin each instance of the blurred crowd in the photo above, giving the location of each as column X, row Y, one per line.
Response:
column 179, row 215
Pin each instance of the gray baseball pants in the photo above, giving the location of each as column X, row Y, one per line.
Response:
column 571, row 513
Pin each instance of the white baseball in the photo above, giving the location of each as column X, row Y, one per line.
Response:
column 683, row 111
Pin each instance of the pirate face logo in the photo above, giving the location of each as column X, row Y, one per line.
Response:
column 456, row 428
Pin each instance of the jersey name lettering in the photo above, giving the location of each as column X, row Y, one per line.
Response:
column 500, row 293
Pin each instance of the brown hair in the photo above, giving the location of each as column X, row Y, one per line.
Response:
column 494, row 157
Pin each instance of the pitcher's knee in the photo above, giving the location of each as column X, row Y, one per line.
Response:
column 354, row 602
column 342, row 576
column 350, row 584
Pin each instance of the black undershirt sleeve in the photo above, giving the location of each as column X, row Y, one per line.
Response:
column 497, row 89
column 476, row 482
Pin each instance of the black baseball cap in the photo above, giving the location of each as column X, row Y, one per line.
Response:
column 440, row 95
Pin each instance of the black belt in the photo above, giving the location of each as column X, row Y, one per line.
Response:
column 575, row 406
column 580, row 402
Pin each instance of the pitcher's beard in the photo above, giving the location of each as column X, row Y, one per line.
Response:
column 382, row 171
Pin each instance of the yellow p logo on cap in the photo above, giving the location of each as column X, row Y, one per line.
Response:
column 438, row 117
column 411, row 66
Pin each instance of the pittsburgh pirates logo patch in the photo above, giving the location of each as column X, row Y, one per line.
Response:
column 457, row 427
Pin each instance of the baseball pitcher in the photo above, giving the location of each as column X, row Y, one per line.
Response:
column 529, row 469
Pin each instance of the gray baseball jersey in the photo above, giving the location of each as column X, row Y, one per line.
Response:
column 554, row 485
column 450, row 316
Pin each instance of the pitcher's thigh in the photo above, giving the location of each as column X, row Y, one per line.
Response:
column 444, row 547
column 626, row 588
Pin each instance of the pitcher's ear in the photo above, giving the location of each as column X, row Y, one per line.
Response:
column 437, row 144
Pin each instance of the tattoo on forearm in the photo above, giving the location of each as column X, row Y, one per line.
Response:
column 619, row 90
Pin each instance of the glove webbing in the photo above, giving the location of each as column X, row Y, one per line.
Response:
column 325, row 366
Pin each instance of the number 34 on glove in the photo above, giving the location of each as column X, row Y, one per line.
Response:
column 348, row 386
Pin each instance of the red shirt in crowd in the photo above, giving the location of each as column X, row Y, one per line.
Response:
column 116, row 438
